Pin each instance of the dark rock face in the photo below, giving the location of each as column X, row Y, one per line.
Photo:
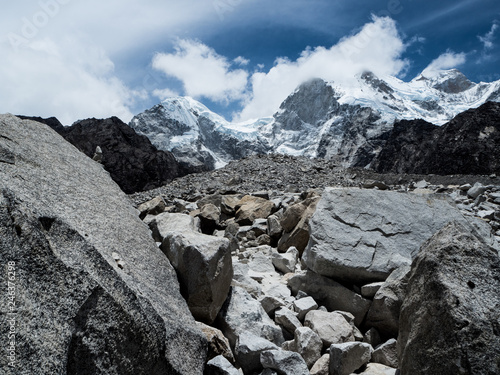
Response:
column 131, row 160
column 93, row 293
column 450, row 318
column 468, row 144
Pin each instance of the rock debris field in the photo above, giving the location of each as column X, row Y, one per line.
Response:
column 270, row 265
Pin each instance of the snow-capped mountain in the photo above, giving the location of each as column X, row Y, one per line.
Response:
column 348, row 123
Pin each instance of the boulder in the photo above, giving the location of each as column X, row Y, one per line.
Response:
column 476, row 190
column 250, row 208
column 284, row 362
column 330, row 294
column 274, row 227
column 372, row 337
column 229, row 203
column 386, row 354
column 204, row 268
column 349, row 357
column 153, row 207
column 217, row 343
column 308, row 344
column 303, row 306
column 369, row 290
column 449, row 322
column 386, row 306
column 220, row 366
column 286, row 262
column 248, row 349
column 287, row 319
column 322, row 366
column 242, row 313
column 375, row 231
column 331, row 327
column 378, row 369
column 61, row 220
column 298, row 237
column 209, row 218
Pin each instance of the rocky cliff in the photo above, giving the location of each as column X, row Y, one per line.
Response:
column 468, row 144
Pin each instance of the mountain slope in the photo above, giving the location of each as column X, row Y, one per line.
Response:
column 468, row 144
column 347, row 123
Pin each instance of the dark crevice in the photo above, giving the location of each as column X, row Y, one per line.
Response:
column 352, row 225
column 47, row 222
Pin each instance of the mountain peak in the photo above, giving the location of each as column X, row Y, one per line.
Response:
column 450, row 81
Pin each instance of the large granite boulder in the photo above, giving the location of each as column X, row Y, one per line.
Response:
column 93, row 293
column 362, row 235
column 450, row 318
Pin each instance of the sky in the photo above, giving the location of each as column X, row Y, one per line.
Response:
column 77, row 59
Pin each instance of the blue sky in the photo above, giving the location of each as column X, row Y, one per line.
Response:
column 76, row 59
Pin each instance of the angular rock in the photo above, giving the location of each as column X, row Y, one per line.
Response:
column 375, row 231
column 259, row 227
column 274, row 226
column 248, row 349
column 386, row 354
column 378, row 369
column 348, row 357
column 166, row 224
column 386, row 306
column 308, row 344
column 153, row 207
column 217, row 343
column 372, row 337
column 228, row 204
column 476, row 190
column 220, row 366
column 331, row 327
column 205, row 270
column 243, row 313
column 287, row 319
column 369, row 290
column 330, row 294
column 322, row 366
column 284, row 362
column 449, row 321
column 271, row 304
column 303, row 306
column 209, row 218
column 251, row 208
column 292, row 216
column 298, row 237
column 286, row 262
column 61, row 220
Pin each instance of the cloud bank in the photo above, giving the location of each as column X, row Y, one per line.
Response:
column 445, row 61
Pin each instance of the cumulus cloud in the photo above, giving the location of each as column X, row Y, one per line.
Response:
column 66, row 78
column 447, row 60
column 163, row 94
column 488, row 38
column 203, row 72
column 377, row 47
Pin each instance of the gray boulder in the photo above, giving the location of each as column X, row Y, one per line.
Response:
column 248, row 349
column 331, row 327
column 220, row 366
column 242, row 313
column 349, row 357
column 78, row 311
column 308, row 344
column 205, row 270
column 284, row 362
column 386, row 354
column 449, row 321
column 330, row 294
column 386, row 306
column 378, row 369
column 303, row 306
column 322, row 366
column 374, row 231
column 287, row 319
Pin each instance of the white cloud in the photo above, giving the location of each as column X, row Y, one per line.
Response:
column 447, row 60
column 376, row 47
column 66, row 79
column 240, row 60
column 202, row 71
column 488, row 38
column 165, row 93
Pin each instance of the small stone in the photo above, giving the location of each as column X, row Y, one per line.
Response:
column 332, row 328
column 369, row 291
column 386, row 354
column 220, row 366
column 248, row 349
column 284, row 362
column 372, row 337
column 286, row 262
column 308, row 344
column 349, row 357
column 476, row 190
column 322, row 366
column 287, row 319
column 303, row 306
